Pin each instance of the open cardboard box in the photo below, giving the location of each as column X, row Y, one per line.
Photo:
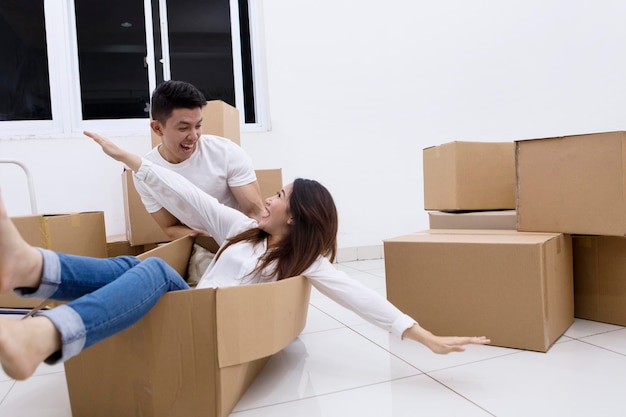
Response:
column 194, row 354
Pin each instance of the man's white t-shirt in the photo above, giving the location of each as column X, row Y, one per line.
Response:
column 216, row 165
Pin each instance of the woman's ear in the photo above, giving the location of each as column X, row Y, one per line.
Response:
column 290, row 221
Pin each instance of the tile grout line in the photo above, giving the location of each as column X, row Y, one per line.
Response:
column 7, row 394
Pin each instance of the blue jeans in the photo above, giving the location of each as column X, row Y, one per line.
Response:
column 105, row 295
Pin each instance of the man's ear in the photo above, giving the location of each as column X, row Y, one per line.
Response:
column 156, row 127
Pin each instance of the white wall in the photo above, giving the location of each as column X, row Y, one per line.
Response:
column 358, row 89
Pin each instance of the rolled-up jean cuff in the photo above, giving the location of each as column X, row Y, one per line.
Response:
column 72, row 329
column 50, row 277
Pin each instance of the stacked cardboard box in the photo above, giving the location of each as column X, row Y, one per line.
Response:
column 477, row 220
column 515, row 288
column 577, row 185
column 470, row 185
column 469, row 176
column 572, row 186
column 460, row 277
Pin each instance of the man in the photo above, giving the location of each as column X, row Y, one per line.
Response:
column 214, row 164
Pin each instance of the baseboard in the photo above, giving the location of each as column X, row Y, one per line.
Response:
column 360, row 253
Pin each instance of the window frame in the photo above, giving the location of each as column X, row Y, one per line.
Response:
column 63, row 67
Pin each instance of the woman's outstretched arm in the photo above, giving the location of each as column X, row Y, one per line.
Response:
column 131, row 160
column 376, row 309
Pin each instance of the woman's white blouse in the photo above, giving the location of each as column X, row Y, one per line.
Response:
column 191, row 205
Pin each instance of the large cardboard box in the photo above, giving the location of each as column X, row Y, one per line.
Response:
column 270, row 181
column 572, row 184
column 75, row 233
column 194, row 354
column 469, row 176
column 218, row 119
column 515, row 288
column 142, row 229
column 496, row 220
column 600, row 278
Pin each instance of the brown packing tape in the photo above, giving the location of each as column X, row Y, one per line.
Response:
column 44, row 232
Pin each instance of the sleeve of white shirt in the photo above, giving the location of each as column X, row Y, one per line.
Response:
column 191, row 205
column 149, row 202
column 356, row 297
column 240, row 168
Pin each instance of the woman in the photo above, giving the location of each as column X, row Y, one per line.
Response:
column 296, row 236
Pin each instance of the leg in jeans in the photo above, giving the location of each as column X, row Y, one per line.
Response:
column 108, row 295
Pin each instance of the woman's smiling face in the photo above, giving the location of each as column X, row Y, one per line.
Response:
column 277, row 220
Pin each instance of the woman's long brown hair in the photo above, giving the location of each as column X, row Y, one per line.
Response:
column 313, row 232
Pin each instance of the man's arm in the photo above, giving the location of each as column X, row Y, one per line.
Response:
column 249, row 198
column 172, row 227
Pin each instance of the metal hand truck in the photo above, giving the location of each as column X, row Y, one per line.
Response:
column 33, row 208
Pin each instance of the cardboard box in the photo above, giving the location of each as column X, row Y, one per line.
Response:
column 194, row 354
column 75, row 233
column 270, row 181
column 600, row 278
column 118, row 245
column 572, row 184
column 469, row 176
column 515, row 288
column 142, row 229
column 219, row 119
column 498, row 220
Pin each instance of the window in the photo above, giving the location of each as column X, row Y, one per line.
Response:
column 111, row 39
column 24, row 77
column 118, row 51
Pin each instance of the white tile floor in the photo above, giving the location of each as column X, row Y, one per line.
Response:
column 343, row 366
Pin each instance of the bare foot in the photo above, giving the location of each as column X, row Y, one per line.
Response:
column 24, row 344
column 20, row 263
column 131, row 160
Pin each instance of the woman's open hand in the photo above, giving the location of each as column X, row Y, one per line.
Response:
column 131, row 160
column 443, row 344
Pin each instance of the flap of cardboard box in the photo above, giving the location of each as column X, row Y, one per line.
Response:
column 255, row 321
